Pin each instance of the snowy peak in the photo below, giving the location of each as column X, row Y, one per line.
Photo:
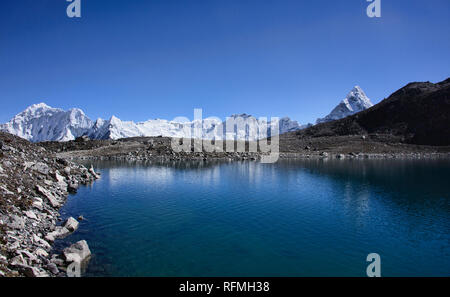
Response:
column 356, row 101
column 40, row 122
column 37, row 110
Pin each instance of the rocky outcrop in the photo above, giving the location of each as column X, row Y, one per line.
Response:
column 34, row 184
column 417, row 114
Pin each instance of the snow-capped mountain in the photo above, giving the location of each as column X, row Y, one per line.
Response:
column 212, row 128
column 355, row 102
column 41, row 122
column 114, row 128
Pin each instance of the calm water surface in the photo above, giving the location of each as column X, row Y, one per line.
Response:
column 293, row 218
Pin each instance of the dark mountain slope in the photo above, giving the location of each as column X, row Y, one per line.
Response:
column 418, row 113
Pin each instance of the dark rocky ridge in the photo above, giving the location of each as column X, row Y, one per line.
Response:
column 418, row 113
column 34, row 184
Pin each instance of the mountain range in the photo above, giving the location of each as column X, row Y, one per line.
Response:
column 41, row 122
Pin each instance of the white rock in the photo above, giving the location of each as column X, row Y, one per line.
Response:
column 37, row 199
column 50, row 237
column 16, row 222
column 30, row 214
column 77, row 252
column 38, row 205
column 61, row 181
column 41, row 168
column 71, row 224
column 58, row 233
column 41, row 253
column 67, row 170
column 29, row 255
column 59, row 177
column 52, row 199
column 41, row 242
column 6, row 191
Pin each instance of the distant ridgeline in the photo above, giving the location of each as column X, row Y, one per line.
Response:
column 41, row 122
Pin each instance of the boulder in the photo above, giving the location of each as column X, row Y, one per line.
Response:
column 52, row 199
column 53, row 268
column 67, row 171
column 72, row 187
column 61, row 181
column 71, row 224
column 77, row 252
column 37, row 203
column 40, row 167
column 27, row 254
column 58, row 233
column 16, row 222
column 40, row 242
column 34, row 272
column 41, row 253
column 30, row 214
column 92, row 171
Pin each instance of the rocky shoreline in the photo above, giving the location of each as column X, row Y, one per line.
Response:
column 34, row 185
column 257, row 156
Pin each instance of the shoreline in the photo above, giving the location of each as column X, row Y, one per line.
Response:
column 35, row 185
column 290, row 147
column 256, row 157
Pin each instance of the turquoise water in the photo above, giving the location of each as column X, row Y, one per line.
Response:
column 292, row 218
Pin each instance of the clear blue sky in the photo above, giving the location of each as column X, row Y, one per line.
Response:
column 143, row 59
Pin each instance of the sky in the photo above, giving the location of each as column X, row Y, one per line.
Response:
column 147, row 59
